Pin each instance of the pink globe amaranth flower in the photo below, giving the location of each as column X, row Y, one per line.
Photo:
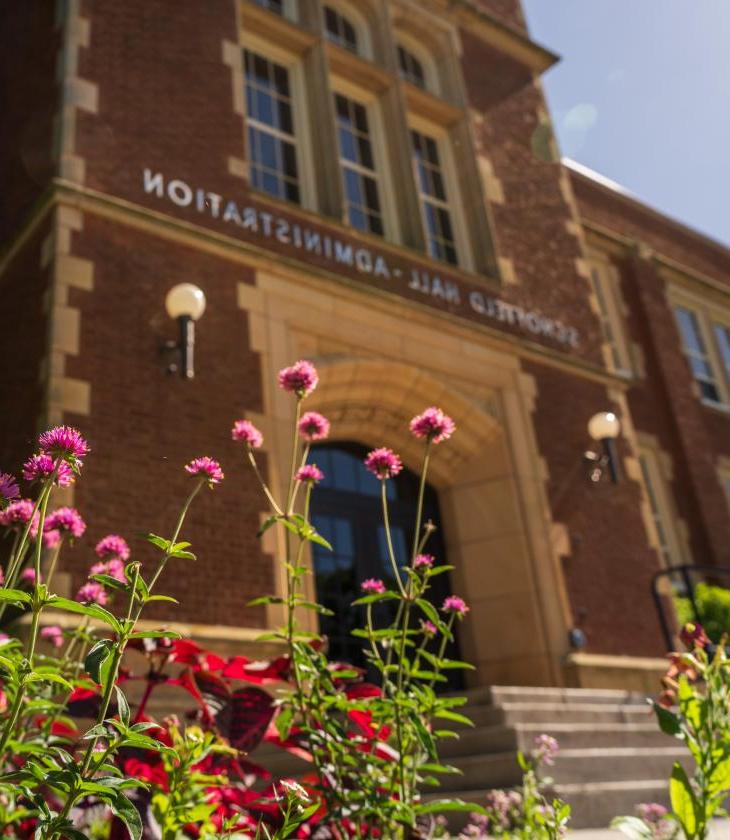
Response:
column 52, row 538
column 428, row 628
column 64, row 442
column 383, row 463
column 67, row 520
column 28, row 576
column 206, row 468
column 2, row 576
column 433, row 425
column 42, row 465
column 54, row 635
column 456, row 605
column 245, row 432
column 423, row 561
column 114, row 568
column 309, row 473
column 313, row 426
column 92, row 592
column 373, row 586
column 17, row 513
column 9, row 489
column 651, row 812
column 112, row 546
column 545, row 750
column 300, row 379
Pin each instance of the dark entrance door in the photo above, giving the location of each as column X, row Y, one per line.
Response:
column 347, row 511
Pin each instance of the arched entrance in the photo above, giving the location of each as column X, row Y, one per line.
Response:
column 347, row 511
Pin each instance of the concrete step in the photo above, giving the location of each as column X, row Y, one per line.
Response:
column 498, row 694
column 595, row 804
column 546, row 714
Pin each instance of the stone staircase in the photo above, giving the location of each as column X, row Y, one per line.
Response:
column 612, row 754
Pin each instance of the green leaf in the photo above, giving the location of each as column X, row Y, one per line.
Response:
column 159, row 542
column 128, row 814
column 684, row 801
column 632, row 827
column 430, row 610
column 668, row 722
column 110, row 582
column 314, row 537
column 272, row 520
column 425, row 738
column 96, row 658
column 376, row 596
column 437, row 806
column 719, row 780
column 266, row 599
column 284, row 721
column 167, row 598
column 124, row 711
column 445, row 714
column 43, row 675
column 15, row 596
column 183, row 555
column 92, row 610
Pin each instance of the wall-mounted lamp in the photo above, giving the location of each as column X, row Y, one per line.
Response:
column 604, row 428
column 185, row 303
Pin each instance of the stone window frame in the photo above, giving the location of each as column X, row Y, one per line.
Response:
column 723, row 476
column 409, row 42
column 368, row 97
column 605, row 283
column 454, row 203
column 707, row 314
column 290, row 9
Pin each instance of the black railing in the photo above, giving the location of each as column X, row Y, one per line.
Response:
column 684, row 580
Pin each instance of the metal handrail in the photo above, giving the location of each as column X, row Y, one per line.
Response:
column 686, row 573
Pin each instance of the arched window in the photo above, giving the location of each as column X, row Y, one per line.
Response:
column 347, row 512
column 416, row 63
column 347, row 27
column 285, row 8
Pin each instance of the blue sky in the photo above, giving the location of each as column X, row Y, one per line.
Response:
column 642, row 96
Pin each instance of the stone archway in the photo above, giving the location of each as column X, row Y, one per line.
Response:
column 372, row 401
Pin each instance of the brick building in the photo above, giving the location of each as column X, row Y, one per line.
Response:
column 374, row 186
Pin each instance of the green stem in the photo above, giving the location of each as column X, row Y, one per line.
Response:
column 294, row 450
column 272, row 501
column 52, row 565
column 419, row 503
column 388, row 538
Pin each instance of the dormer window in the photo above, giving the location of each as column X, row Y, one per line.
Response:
column 340, row 30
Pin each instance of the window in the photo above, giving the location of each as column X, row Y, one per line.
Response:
column 439, row 230
column 271, row 130
column 659, row 505
column 722, row 337
column 410, row 68
column 696, row 350
column 340, row 30
column 347, row 512
column 357, row 159
column 604, row 281
column 275, row 6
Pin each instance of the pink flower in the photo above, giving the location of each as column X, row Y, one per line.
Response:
column 2, row 576
column 114, row 568
column 9, row 489
column 428, row 628
column 423, row 561
column 300, row 379
column 373, row 586
column 63, row 442
column 383, row 463
column 245, row 431
column 546, row 750
column 456, row 605
column 309, row 473
column 54, row 635
column 28, row 576
column 42, row 465
column 66, row 520
column 313, row 426
column 92, row 593
column 112, row 546
column 206, row 468
column 17, row 513
column 51, row 538
column 433, row 425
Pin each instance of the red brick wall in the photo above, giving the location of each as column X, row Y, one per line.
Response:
column 664, row 402
column 608, row 571
column 29, row 97
column 145, row 424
